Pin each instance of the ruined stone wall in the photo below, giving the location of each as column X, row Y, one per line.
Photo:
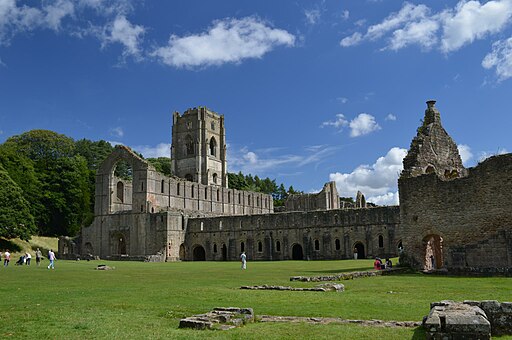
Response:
column 321, row 235
column 472, row 215
column 326, row 199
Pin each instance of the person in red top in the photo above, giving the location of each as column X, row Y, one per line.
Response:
column 376, row 264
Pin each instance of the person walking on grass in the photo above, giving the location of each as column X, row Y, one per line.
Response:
column 7, row 258
column 39, row 255
column 52, row 258
column 28, row 257
column 243, row 258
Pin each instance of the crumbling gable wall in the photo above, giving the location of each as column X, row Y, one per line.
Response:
column 461, row 222
column 326, row 199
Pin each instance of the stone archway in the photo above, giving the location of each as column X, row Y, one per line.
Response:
column 433, row 246
column 360, row 250
column 297, row 252
column 199, row 254
column 224, row 251
column 182, row 252
column 118, row 244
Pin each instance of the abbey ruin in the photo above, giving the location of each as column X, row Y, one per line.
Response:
column 449, row 216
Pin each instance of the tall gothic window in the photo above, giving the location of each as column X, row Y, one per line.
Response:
column 213, row 146
column 189, row 142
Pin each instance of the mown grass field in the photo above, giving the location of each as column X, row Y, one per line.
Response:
column 146, row 300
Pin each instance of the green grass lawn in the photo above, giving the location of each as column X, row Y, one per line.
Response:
column 147, row 300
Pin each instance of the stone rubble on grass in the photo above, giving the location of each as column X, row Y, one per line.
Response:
column 325, row 287
column 104, row 267
column 347, row 276
column 223, row 318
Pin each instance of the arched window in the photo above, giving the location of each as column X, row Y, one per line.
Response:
column 205, row 193
column 249, row 199
column 192, row 191
column 242, row 246
column 218, row 195
column 239, row 198
column 189, row 142
column 213, row 125
column 278, row 246
column 260, row 246
column 120, row 191
column 215, row 247
column 189, row 177
column 178, row 189
column 317, row 245
column 229, row 197
column 337, row 244
column 381, row 241
column 257, row 201
column 213, row 146
column 214, row 178
column 162, row 187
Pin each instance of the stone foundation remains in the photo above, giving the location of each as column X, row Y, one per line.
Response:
column 222, row 318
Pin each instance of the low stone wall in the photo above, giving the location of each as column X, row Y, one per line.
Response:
column 324, row 287
column 347, row 276
column 222, row 318
column 498, row 314
column 468, row 319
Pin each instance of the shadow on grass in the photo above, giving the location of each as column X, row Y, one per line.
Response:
column 7, row 244
column 419, row 333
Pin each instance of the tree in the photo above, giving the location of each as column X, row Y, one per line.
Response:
column 161, row 164
column 15, row 217
column 93, row 152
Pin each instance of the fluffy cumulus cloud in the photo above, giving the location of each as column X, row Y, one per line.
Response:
column 148, row 151
column 110, row 24
column 447, row 30
column 390, row 117
column 378, row 182
column 362, row 125
column 465, row 153
column 123, row 32
column 500, row 58
column 227, row 41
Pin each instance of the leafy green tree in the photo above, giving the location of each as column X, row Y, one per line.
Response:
column 93, row 152
column 15, row 217
column 161, row 164
column 43, row 145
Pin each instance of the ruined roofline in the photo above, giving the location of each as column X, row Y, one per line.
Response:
column 131, row 152
column 195, row 110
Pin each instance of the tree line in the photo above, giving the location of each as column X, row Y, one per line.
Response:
column 47, row 183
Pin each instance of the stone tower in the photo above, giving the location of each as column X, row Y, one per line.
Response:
column 433, row 150
column 198, row 150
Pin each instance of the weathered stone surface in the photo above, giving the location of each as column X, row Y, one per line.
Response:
column 104, row 267
column 456, row 320
column 222, row 318
column 347, row 276
column 378, row 323
column 326, row 287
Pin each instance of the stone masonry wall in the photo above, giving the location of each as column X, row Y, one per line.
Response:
column 321, row 235
column 472, row 215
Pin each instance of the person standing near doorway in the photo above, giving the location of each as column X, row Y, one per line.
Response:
column 355, row 253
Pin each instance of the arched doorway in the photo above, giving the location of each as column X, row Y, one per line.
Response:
column 224, row 252
column 182, row 252
column 360, row 250
column 118, row 245
column 199, row 254
column 433, row 245
column 297, row 253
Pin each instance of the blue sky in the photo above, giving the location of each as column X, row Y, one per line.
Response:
column 311, row 91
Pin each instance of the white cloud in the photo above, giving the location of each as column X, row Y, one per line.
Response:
column 125, row 33
column 352, row 40
column 390, row 117
column 486, row 154
column 338, row 123
column 390, row 198
column 362, row 125
column 312, row 15
column 227, row 41
column 447, row 30
column 500, row 58
column 117, row 131
column 57, row 11
column 471, row 20
column 263, row 160
column 378, row 181
column 345, row 14
column 343, row 100
column 160, row 150
column 465, row 153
